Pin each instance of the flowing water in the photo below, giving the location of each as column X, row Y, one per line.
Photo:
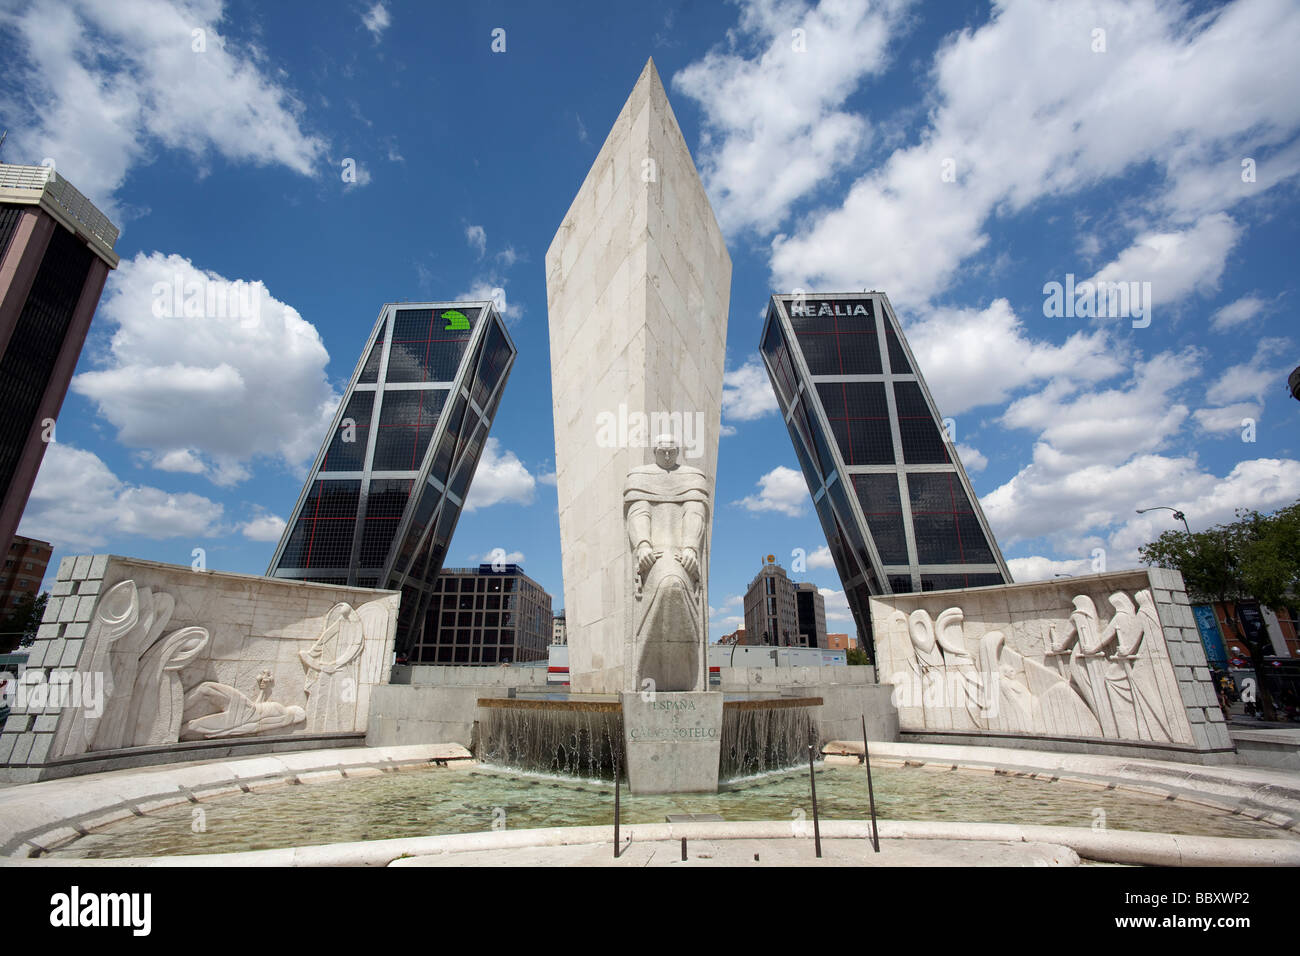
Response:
column 467, row 798
column 584, row 740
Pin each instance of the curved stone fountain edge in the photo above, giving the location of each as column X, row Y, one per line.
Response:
column 1110, row 846
column 40, row 816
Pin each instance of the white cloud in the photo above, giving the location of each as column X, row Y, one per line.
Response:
column 1176, row 262
column 79, row 504
column 1253, row 379
column 774, row 128
column 971, row 458
column 1024, row 109
column 1228, row 419
column 974, row 357
column 242, row 375
column 747, row 392
column 476, row 236
column 179, row 460
column 102, row 85
column 265, row 527
column 837, row 605
column 1037, row 568
column 498, row 555
column 1113, row 424
column 492, row 287
column 501, row 477
column 821, row 558
column 376, row 20
column 1237, row 313
column 781, row 489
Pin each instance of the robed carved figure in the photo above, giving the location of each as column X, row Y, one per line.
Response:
column 666, row 510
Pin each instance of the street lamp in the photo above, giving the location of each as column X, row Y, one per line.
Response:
column 1177, row 514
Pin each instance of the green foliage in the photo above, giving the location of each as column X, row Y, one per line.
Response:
column 858, row 657
column 21, row 624
column 1255, row 557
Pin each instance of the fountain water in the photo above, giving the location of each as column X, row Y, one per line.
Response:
column 581, row 738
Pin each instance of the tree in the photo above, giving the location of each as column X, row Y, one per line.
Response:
column 19, row 628
column 1257, row 556
column 857, row 657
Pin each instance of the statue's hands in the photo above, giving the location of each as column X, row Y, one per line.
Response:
column 645, row 559
column 690, row 561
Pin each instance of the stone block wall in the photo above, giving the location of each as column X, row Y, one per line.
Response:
column 136, row 654
column 1104, row 657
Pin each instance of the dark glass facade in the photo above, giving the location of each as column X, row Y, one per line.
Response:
column 389, row 483
column 895, row 504
column 484, row 616
column 27, row 362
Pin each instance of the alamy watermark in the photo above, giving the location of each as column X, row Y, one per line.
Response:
column 33, row 692
column 209, row 299
column 625, row 429
column 1102, row 300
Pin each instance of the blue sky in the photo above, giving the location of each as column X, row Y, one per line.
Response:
column 957, row 157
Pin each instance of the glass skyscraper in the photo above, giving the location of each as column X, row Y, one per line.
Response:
column 895, row 503
column 388, row 485
column 56, row 250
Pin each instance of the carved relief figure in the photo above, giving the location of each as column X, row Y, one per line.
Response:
column 144, row 695
column 332, row 669
column 235, row 714
column 666, row 513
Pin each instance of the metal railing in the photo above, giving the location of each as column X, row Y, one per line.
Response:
column 64, row 194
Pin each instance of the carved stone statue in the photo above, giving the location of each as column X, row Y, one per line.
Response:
column 142, row 667
column 666, row 511
column 235, row 714
column 332, row 664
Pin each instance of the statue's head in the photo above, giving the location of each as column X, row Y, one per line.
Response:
column 666, row 451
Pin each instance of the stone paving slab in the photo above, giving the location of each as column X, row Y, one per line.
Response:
column 759, row 853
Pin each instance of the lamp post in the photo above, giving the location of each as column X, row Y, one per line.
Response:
column 1177, row 514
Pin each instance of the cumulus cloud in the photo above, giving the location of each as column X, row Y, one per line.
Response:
column 821, row 558
column 837, row 605
column 98, row 87
column 975, row 357
column 971, row 458
column 266, row 527
column 78, row 503
column 1024, row 109
column 747, row 392
column 203, row 373
column 781, row 489
column 501, row 477
column 774, row 126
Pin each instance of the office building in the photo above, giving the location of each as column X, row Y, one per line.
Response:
column 24, row 569
column 810, row 612
column 389, row 483
column 493, row 615
column 56, row 250
column 781, row 613
column 559, row 630
column 892, row 497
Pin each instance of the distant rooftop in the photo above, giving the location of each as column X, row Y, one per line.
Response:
column 41, row 186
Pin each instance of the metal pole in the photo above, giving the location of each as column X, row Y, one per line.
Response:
column 812, row 779
column 616, row 806
column 871, row 792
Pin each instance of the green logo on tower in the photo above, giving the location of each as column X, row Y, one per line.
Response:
column 456, row 321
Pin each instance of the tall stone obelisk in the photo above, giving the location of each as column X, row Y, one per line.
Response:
column 638, row 284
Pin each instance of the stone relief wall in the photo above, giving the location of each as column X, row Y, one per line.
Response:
column 1103, row 657
column 160, row 654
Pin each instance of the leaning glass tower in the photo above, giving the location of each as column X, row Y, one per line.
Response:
column 389, row 483
column 895, row 503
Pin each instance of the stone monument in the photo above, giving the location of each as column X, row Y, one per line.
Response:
column 638, row 286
